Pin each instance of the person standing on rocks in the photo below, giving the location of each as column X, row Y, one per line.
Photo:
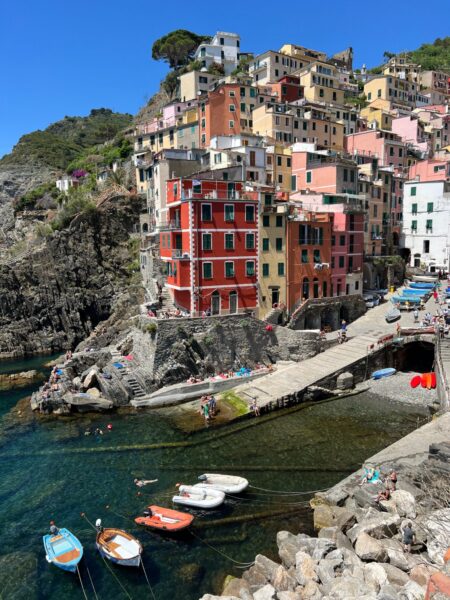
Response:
column 408, row 537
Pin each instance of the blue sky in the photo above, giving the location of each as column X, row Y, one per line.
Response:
column 61, row 58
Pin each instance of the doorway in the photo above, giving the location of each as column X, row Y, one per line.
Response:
column 215, row 303
column 275, row 296
column 233, row 301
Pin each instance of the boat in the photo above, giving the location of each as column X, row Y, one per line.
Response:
column 383, row 373
column 415, row 292
column 199, row 497
column 230, row 484
column 393, row 315
column 118, row 546
column 425, row 278
column 164, row 519
column 421, row 285
column 428, row 380
column 63, row 549
column 402, row 300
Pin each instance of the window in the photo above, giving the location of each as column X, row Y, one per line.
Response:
column 231, row 124
column 250, row 268
column 426, row 246
column 207, row 241
column 229, row 268
column 249, row 213
column 279, row 161
column 206, row 212
column 252, row 92
column 265, row 270
column 229, row 212
column 265, row 244
column 304, row 256
column 232, row 94
column 267, row 199
column 266, row 220
column 279, row 244
column 293, row 182
column 345, row 175
column 281, row 269
column 342, row 240
column 280, row 178
column 414, row 208
column 288, row 161
column 207, row 270
column 321, row 93
column 229, row 241
column 232, row 108
column 317, row 256
column 429, row 207
column 279, row 220
column 250, row 241
column 342, row 262
column 242, row 106
column 217, row 158
column 413, row 191
column 413, row 225
column 429, row 226
column 391, row 151
column 308, row 176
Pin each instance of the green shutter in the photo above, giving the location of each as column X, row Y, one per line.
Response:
column 265, row 270
column 281, row 269
column 413, row 191
column 414, row 208
column 429, row 207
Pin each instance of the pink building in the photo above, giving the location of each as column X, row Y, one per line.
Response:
column 347, row 242
column 320, row 172
column 411, row 131
column 430, row 170
column 388, row 147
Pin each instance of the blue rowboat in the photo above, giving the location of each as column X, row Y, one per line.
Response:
column 414, row 292
column 405, row 299
column 422, row 286
column 383, row 373
column 63, row 549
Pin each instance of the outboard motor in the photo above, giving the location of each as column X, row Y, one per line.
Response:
column 98, row 525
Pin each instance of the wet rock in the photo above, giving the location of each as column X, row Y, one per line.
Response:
column 378, row 526
column 267, row 592
column 255, row 578
column 405, row 503
column 266, row 566
column 422, row 573
column 305, row 569
column 368, row 548
column 411, row 591
column 344, row 381
column 190, row 573
column 237, row 587
column 284, row 581
column 375, row 576
column 10, row 381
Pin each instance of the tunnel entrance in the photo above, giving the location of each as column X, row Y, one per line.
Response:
column 416, row 356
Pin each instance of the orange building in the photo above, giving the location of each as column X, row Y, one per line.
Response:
column 308, row 254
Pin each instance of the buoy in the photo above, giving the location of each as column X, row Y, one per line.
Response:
column 269, row 327
column 109, row 426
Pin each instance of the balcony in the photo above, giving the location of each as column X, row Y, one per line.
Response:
column 180, row 254
column 171, row 225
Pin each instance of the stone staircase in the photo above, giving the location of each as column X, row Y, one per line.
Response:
column 127, row 379
column 136, row 388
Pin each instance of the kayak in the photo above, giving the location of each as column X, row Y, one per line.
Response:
column 199, row 497
column 415, row 381
column 230, row 484
column 421, row 286
column 165, row 519
column 428, row 380
column 383, row 373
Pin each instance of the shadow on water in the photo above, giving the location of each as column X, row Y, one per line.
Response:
column 59, row 473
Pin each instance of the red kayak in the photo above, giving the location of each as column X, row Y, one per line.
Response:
column 415, row 381
column 165, row 519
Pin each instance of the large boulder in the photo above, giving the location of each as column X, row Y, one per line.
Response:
column 237, row 587
column 395, row 576
column 335, row 496
column 350, row 588
column 255, row 578
column 305, row 568
column 326, row 568
column 330, row 516
column 266, row 566
column 405, row 503
column 375, row 576
column 380, row 525
column 290, row 596
column 368, row 548
column 311, row 591
column 411, row 591
column 288, row 546
column 267, row 592
column 283, row 581
column 317, row 548
column 437, row 528
column 422, row 573
column 388, row 592
column 397, row 557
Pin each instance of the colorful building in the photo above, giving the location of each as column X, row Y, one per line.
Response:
column 386, row 146
column 320, row 81
column 319, row 171
column 210, row 246
column 223, row 49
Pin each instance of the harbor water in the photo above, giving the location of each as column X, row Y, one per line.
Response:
column 50, row 470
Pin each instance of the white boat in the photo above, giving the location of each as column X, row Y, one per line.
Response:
column 230, row 484
column 426, row 278
column 200, row 497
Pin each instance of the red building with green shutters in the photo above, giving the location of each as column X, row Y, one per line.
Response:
column 210, row 246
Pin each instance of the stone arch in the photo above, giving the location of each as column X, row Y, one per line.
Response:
column 145, row 228
column 343, row 313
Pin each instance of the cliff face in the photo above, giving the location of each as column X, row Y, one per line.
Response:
column 53, row 298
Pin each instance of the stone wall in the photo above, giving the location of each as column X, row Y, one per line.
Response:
column 316, row 313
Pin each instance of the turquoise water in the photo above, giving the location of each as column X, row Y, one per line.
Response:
column 50, row 470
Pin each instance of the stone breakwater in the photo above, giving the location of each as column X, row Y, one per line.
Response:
column 358, row 554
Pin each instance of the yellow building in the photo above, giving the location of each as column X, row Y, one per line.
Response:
column 274, row 120
column 321, row 83
column 305, row 56
column 279, row 167
column 394, row 90
column 272, row 254
column 195, row 83
column 376, row 117
column 401, row 67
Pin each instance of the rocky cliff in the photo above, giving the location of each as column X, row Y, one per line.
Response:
column 52, row 298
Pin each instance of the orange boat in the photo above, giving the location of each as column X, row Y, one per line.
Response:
column 164, row 519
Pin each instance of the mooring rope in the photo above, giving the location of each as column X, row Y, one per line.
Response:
column 115, row 577
column 92, row 583
column 81, row 582
column 239, row 564
column 148, row 581
column 282, row 493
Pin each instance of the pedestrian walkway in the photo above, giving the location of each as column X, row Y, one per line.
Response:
column 365, row 337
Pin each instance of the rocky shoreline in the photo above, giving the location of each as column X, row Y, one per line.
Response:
column 358, row 554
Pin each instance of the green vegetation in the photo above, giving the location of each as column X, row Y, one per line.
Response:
column 239, row 405
column 243, row 66
column 177, row 47
column 79, row 201
column 359, row 101
column 66, row 140
column 151, row 328
column 216, row 69
column 435, row 56
column 28, row 200
column 89, row 158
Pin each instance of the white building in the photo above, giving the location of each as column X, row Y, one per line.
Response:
column 426, row 223
column 270, row 66
column 243, row 150
column 223, row 49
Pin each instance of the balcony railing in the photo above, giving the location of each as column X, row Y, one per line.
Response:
column 171, row 225
column 180, row 254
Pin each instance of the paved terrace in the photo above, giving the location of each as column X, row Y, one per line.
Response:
column 363, row 339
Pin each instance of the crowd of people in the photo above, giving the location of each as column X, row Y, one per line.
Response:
column 208, row 407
